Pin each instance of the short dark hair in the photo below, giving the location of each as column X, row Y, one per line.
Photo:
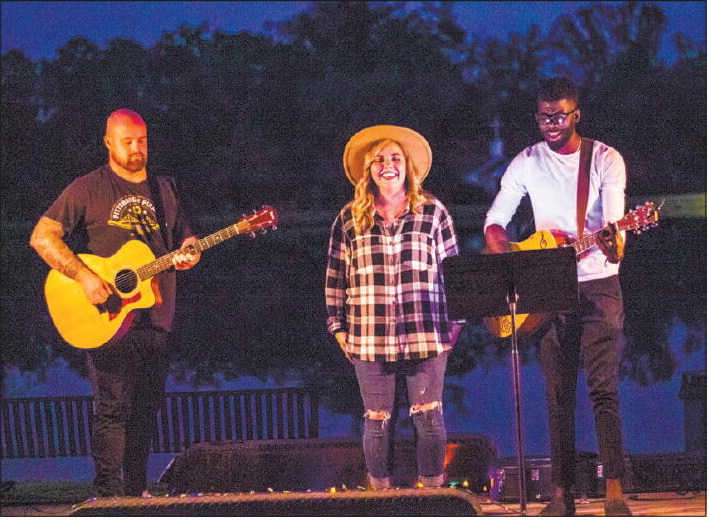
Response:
column 554, row 89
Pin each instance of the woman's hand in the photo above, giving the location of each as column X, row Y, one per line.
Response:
column 341, row 338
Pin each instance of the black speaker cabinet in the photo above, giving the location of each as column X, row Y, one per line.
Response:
column 505, row 486
column 680, row 472
column 292, row 465
column 314, row 465
column 394, row 502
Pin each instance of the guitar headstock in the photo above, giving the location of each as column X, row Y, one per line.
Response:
column 259, row 220
column 640, row 219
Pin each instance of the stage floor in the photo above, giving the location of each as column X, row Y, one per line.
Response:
column 643, row 504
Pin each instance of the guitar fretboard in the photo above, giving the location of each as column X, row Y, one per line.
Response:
column 586, row 242
column 165, row 262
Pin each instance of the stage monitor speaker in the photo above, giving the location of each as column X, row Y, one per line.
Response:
column 392, row 502
column 679, row 472
column 280, row 465
column 538, row 478
column 314, row 465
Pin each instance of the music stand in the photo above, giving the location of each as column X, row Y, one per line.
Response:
column 536, row 281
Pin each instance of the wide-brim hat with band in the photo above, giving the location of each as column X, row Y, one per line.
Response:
column 414, row 143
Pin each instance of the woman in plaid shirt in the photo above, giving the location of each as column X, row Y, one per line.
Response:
column 384, row 292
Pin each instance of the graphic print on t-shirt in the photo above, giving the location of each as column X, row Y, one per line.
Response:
column 135, row 213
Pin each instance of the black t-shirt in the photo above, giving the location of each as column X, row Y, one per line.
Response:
column 110, row 211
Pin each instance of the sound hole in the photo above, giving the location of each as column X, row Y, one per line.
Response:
column 126, row 281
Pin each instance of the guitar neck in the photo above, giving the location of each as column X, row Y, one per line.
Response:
column 165, row 262
column 585, row 243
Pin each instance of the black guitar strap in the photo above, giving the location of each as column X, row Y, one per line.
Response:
column 156, row 195
column 584, row 182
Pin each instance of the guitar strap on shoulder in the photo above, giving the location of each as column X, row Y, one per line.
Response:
column 156, row 195
column 584, row 182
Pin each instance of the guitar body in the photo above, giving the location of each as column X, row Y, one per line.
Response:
column 87, row 326
column 501, row 326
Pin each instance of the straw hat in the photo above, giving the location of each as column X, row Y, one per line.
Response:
column 414, row 143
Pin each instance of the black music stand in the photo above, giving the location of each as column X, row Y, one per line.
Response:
column 508, row 284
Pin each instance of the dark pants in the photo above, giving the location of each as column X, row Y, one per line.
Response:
column 424, row 383
column 128, row 382
column 594, row 335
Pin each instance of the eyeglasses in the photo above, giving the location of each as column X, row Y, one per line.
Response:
column 554, row 119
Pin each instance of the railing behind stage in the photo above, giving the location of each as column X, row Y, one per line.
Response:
column 37, row 427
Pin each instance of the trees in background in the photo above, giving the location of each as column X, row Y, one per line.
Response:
column 244, row 119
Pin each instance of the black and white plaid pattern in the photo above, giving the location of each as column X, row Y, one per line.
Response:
column 385, row 288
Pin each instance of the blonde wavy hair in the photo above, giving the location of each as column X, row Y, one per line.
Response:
column 366, row 189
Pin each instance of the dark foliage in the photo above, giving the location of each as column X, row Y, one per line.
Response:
column 242, row 120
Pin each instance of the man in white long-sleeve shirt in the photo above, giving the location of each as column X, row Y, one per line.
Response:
column 548, row 172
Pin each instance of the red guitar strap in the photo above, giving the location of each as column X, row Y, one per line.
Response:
column 584, row 182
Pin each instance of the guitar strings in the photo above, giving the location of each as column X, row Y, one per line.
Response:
column 164, row 261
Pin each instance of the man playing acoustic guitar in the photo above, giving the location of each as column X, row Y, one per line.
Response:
column 111, row 206
column 549, row 172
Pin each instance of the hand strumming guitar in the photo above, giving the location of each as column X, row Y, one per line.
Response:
column 96, row 288
column 496, row 239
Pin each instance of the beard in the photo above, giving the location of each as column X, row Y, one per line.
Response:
column 135, row 162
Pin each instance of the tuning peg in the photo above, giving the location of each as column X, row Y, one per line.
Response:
column 252, row 235
column 274, row 227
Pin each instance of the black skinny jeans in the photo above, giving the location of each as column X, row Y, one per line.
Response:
column 128, row 382
column 594, row 335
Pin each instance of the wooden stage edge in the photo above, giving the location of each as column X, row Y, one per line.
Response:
column 667, row 504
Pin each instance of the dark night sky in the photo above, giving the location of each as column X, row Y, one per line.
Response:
column 40, row 28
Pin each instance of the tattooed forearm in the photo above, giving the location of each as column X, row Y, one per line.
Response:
column 47, row 240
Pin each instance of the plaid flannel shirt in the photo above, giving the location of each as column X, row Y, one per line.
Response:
column 385, row 287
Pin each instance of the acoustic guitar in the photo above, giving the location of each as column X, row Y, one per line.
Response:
column 131, row 271
column 638, row 220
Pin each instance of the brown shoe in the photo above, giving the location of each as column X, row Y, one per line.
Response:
column 559, row 506
column 616, row 507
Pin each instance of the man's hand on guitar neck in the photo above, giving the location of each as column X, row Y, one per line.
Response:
column 496, row 239
column 188, row 258
column 610, row 242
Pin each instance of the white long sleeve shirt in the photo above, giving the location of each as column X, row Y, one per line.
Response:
column 551, row 180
